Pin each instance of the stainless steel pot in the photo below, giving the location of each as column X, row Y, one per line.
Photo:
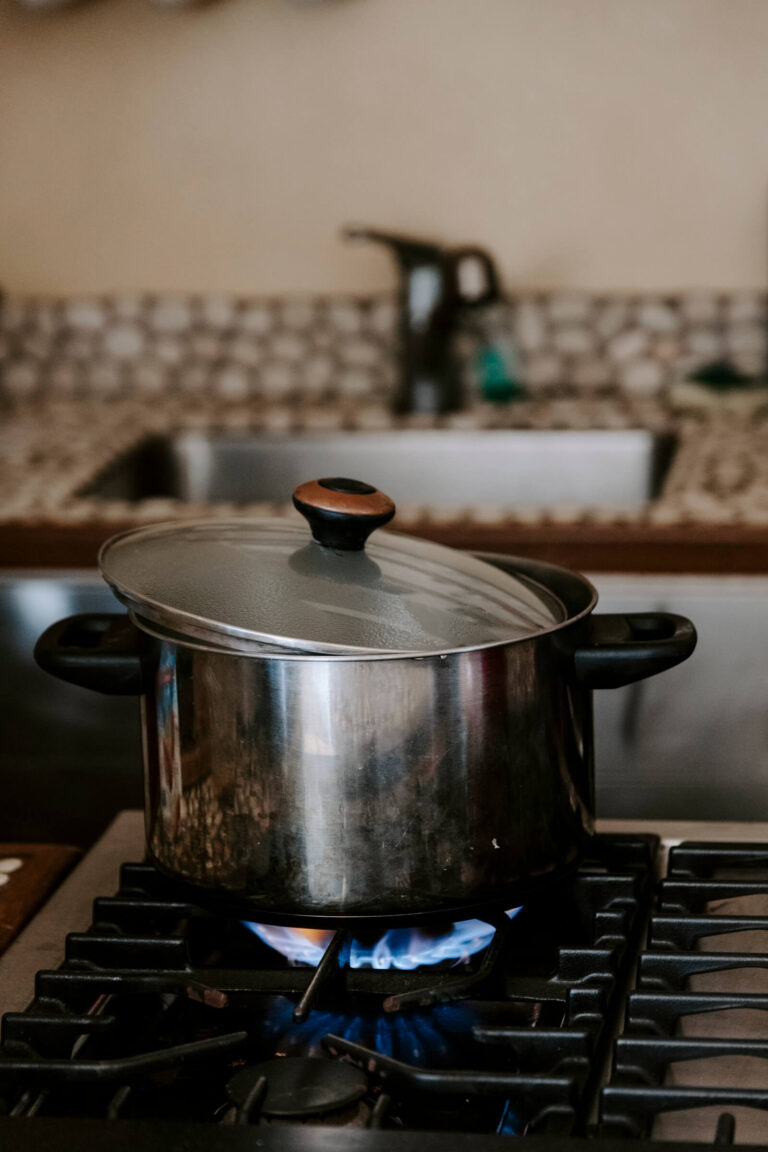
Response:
column 307, row 787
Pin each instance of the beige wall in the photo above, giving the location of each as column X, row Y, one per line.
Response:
column 590, row 143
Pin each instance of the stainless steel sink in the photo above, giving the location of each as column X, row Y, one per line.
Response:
column 442, row 469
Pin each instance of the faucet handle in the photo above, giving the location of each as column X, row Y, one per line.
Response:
column 475, row 279
column 470, row 273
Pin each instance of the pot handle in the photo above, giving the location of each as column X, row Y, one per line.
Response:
column 621, row 649
column 97, row 650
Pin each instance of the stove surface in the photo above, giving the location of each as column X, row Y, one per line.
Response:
column 70, row 909
column 151, row 1020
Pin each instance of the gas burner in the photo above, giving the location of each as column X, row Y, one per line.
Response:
column 300, row 1088
column 168, row 1012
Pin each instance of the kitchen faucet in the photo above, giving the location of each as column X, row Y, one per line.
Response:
column 436, row 283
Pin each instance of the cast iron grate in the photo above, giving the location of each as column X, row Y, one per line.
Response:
column 160, row 1003
column 696, row 999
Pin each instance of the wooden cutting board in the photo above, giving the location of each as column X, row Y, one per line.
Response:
column 28, row 875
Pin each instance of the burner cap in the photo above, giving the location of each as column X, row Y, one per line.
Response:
column 300, row 1086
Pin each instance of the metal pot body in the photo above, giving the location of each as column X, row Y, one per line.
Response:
column 322, row 788
column 381, row 788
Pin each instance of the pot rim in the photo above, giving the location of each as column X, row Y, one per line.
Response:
column 537, row 570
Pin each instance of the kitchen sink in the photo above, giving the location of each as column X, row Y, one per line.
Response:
column 495, row 469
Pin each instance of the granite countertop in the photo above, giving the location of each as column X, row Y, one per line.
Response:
column 715, row 492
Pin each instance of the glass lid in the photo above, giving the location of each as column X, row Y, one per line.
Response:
column 266, row 583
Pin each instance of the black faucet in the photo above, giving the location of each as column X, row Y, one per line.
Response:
column 436, row 283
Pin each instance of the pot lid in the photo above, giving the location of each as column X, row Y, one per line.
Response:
column 265, row 582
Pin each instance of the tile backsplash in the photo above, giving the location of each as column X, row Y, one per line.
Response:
column 325, row 349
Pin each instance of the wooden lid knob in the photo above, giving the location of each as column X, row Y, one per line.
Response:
column 341, row 512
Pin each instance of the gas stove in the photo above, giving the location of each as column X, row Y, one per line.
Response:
column 629, row 1009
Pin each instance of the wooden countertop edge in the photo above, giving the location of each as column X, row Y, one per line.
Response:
column 690, row 548
column 43, row 867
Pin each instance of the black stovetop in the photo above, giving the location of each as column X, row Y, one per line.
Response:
column 171, row 1026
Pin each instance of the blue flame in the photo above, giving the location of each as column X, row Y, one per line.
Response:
column 434, row 1037
column 437, row 1037
column 403, row 948
column 510, row 1123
